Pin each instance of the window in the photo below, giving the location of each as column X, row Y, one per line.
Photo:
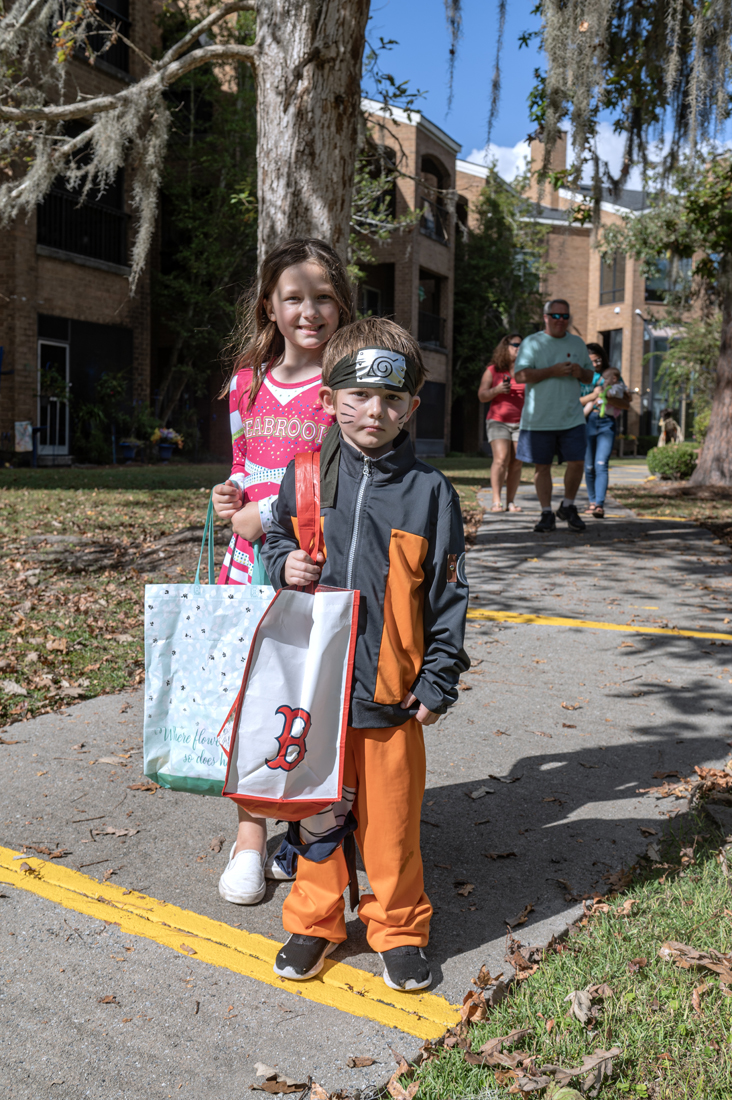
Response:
column 431, row 414
column 114, row 14
column 612, row 342
column 432, row 325
column 370, row 301
column 612, row 279
column 53, row 394
column 434, row 220
column 673, row 276
column 96, row 228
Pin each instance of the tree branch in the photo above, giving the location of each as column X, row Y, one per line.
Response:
column 161, row 78
column 195, row 33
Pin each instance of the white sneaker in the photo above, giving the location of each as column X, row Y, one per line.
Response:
column 274, row 871
column 243, row 880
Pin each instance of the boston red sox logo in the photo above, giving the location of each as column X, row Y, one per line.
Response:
column 292, row 739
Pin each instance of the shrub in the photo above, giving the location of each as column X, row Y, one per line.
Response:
column 675, row 462
column 701, row 425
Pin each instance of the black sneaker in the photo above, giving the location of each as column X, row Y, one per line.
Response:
column 571, row 515
column 546, row 523
column 302, row 957
column 406, row 968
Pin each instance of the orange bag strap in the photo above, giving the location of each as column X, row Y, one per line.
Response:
column 307, row 496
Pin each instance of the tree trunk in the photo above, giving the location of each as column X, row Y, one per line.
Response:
column 308, row 99
column 715, row 463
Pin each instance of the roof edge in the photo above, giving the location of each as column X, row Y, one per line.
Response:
column 411, row 118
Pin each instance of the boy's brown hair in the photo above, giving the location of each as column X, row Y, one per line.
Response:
column 372, row 332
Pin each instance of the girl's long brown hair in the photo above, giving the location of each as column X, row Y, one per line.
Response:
column 500, row 359
column 256, row 340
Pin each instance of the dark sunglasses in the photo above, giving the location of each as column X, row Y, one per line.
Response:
column 559, row 316
column 514, row 345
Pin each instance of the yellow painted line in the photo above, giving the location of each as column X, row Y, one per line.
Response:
column 671, row 519
column 203, row 939
column 551, row 620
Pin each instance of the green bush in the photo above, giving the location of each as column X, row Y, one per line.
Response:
column 674, row 462
column 701, row 425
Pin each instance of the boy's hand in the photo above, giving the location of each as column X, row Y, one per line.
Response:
column 426, row 717
column 301, row 570
column 227, row 499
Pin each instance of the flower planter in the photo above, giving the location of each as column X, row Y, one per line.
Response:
column 165, row 451
column 127, row 451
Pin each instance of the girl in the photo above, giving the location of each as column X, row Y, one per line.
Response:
column 603, row 402
column 506, row 395
column 303, row 297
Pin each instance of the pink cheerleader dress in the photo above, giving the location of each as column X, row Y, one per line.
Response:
column 284, row 420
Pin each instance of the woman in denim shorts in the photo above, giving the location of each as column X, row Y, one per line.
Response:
column 506, row 396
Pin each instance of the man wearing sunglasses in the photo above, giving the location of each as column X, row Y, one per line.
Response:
column 552, row 363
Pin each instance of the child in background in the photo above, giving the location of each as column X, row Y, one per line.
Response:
column 393, row 530
column 303, row 296
column 603, row 405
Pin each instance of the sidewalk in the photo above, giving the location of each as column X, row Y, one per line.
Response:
column 561, row 725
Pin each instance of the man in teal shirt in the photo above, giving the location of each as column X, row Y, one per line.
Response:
column 553, row 364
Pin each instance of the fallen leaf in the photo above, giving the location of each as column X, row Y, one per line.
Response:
column 60, row 644
column 479, row 792
column 665, row 775
column 147, row 786
column 275, row 1083
column 474, row 1008
column 637, row 964
column 653, row 852
column 444, row 866
column 540, row 734
column 549, row 1026
column 216, row 843
column 522, row 917
column 505, row 778
column 466, row 889
column 498, row 855
column 108, row 874
column 359, row 1061
column 582, row 764
column 646, row 831
column 110, row 999
column 580, row 1005
column 500, row 733
column 601, row 991
column 490, row 1054
column 11, row 687
column 571, row 706
column 626, row 645
column 317, row 1092
column 3, row 741
column 484, row 978
column 568, row 726
column 624, row 909
column 188, row 950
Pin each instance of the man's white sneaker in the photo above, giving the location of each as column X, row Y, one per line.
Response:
column 243, row 880
column 272, row 869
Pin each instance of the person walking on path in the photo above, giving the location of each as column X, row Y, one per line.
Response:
column 301, row 298
column 506, row 396
column 553, row 363
column 603, row 403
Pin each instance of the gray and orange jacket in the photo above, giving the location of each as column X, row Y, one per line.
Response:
column 395, row 533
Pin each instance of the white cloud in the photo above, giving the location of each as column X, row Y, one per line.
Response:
column 510, row 161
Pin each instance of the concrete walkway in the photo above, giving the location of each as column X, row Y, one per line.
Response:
column 561, row 725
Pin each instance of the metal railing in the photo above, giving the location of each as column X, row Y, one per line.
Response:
column 433, row 222
column 92, row 229
column 118, row 53
column 431, row 329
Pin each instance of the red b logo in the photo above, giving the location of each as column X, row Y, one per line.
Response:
column 295, row 730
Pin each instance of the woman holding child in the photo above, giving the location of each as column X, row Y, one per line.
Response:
column 506, row 396
column 603, row 402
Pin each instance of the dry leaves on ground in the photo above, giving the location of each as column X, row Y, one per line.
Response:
column 521, row 918
column 359, row 1061
column 394, row 1086
column 499, row 855
column 688, row 958
column 216, row 843
column 275, row 1082
column 110, row 999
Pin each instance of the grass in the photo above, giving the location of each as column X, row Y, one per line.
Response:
column 709, row 507
column 66, row 636
column 672, row 1046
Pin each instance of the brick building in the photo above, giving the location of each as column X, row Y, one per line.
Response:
column 65, row 311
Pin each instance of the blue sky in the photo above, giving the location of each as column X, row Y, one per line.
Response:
column 422, row 54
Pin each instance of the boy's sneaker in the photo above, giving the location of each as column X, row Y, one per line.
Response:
column 406, row 968
column 274, row 869
column 243, row 880
column 546, row 523
column 571, row 515
column 302, row 957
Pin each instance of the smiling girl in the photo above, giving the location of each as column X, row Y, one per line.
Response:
column 303, row 296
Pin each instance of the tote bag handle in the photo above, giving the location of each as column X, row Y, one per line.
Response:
column 259, row 573
column 307, row 494
column 208, row 533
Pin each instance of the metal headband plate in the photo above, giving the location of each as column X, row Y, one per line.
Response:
column 380, row 368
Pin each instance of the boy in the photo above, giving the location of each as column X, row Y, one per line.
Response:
column 393, row 530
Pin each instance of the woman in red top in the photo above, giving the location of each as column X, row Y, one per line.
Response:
column 506, row 397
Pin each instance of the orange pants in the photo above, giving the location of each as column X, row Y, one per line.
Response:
column 387, row 768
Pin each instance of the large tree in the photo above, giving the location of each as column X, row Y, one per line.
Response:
column 306, row 60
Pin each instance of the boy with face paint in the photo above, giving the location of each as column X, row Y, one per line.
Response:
column 393, row 530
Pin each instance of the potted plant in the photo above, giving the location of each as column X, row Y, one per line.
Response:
column 128, row 448
column 166, row 439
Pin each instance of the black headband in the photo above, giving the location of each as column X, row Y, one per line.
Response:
column 375, row 367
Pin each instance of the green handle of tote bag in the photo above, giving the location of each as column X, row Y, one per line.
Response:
column 208, row 533
column 259, row 573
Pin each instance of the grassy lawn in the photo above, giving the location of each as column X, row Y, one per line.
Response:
column 66, row 635
column 709, row 507
column 672, row 1025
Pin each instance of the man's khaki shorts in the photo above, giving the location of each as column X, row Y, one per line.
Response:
column 498, row 430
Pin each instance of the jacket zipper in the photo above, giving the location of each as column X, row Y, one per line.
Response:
column 365, row 475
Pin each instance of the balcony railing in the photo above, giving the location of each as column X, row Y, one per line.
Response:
column 432, row 329
column 92, row 229
column 433, row 222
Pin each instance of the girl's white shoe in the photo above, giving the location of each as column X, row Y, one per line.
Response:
column 243, row 880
